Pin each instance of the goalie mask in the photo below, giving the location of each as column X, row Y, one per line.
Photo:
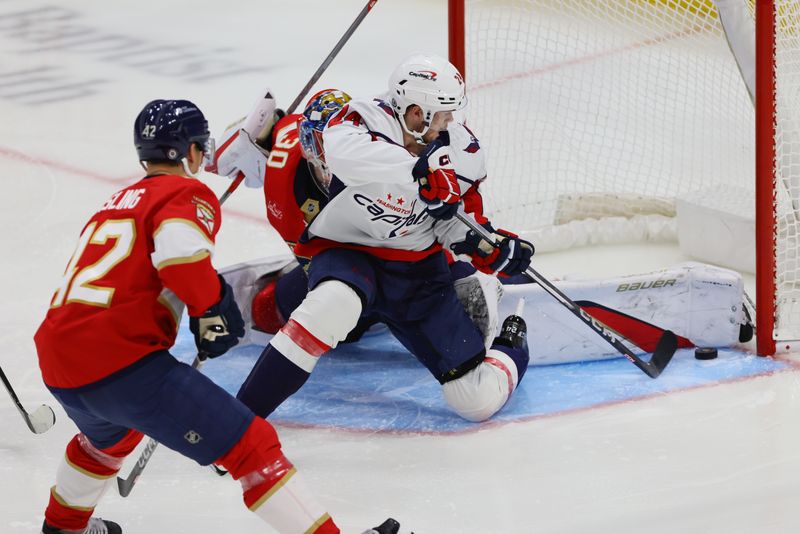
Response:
column 319, row 110
column 165, row 129
column 430, row 82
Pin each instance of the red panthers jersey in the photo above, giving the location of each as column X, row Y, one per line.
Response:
column 292, row 195
column 139, row 259
column 285, row 158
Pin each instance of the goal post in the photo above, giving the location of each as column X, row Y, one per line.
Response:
column 615, row 120
column 766, row 227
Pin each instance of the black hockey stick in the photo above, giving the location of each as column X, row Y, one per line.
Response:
column 41, row 420
column 125, row 485
column 664, row 350
column 316, row 76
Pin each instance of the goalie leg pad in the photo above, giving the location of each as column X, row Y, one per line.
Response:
column 271, row 486
column 480, row 295
column 480, row 393
column 84, row 475
column 266, row 316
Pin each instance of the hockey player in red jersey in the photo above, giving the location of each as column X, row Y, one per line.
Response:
column 295, row 187
column 376, row 247
column 104, row 344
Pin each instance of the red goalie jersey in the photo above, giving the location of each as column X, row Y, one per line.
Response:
column 144, row 254
column 292, row 195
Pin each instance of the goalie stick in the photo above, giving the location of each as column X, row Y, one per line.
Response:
column 41, row 420
column 304, row 91
column 125, row 485
column 665, row 347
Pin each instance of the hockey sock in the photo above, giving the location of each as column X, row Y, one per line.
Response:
column 271, row 381
column 328, row 313
column 84, row 475
column 271, row 486
column 480, row 393
column 519, row 356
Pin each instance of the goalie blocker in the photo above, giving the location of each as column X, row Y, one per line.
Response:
column 702, row 304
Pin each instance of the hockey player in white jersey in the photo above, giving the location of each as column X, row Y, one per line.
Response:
column 378, row 246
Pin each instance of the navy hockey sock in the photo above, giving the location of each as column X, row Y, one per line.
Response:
column 273, row 379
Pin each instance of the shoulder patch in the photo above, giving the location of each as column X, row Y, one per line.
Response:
column 473, row 146
column 205, row 214
column 384, row 106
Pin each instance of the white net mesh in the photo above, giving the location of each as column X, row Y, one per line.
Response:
column 609, row 109
column 599, row 108
column 787, row 57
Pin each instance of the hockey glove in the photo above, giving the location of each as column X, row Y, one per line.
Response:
column 220, row 327
column 438, row 183
column 511, row 256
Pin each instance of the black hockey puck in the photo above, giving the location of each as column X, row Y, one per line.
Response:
column 702, row 353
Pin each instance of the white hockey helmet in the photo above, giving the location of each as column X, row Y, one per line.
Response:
column 430, row 82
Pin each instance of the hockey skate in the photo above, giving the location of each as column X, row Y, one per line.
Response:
column 514, row 332
column 95, row 526
column 390, row 526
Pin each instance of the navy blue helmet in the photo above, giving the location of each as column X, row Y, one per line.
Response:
column 165, row 129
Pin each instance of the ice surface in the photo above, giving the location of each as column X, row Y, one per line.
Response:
column 720, row 458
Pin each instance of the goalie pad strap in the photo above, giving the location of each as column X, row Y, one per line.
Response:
column 461, row 370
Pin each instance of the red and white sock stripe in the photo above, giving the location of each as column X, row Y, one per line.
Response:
column 300, row 346
column 84, row 475
column 271, row 486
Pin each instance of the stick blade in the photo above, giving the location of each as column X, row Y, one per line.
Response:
column 125, row 485
column 41, row 420
column 665, row 350
column 637, row 331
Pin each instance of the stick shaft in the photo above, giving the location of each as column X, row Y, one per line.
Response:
column 336, row 49
column 316, row 76
column 125, row 485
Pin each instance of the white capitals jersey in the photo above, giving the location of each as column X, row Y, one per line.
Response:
column 379, row 207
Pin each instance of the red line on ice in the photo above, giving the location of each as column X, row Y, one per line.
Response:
column 12, row 154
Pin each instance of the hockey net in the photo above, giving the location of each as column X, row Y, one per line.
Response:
column 602, row 116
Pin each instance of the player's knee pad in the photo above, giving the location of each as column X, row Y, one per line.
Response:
column 258, row 447
column 328, row 313
column 480, row 393
column 84, row 456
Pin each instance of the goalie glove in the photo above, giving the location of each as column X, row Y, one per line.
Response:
column 438, row 183
column 509, row 257
column 239, row 154
column 244, row 147
column 220, row 326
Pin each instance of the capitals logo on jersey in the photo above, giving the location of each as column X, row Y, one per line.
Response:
column 392, row 212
